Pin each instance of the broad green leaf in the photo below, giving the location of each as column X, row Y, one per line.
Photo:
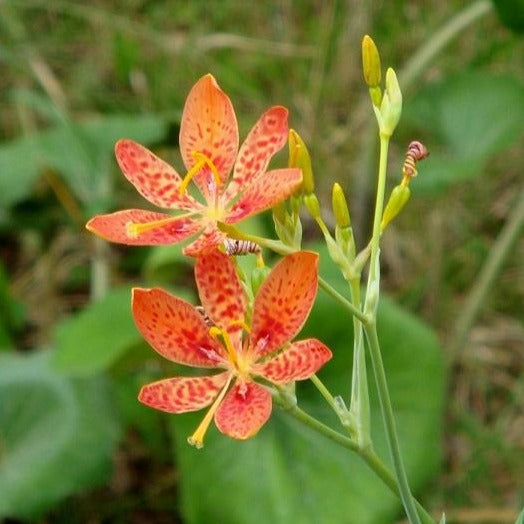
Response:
column 147, row 422
column 57, row 435
column 165, row 263
column 94, row 339
column 474, row 116
column 511, row 13
column 289, row 473
column 82, row 152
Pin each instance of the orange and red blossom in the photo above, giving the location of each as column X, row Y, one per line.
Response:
column 209, row 148
column 174, row 328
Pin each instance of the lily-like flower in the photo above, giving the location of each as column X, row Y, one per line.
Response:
column 209, row 147
column 222, row 340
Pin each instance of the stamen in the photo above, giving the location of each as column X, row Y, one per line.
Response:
column 216, row 332
column 135, row 229
column 201, row 160
column 242, row 324
column 197, row 438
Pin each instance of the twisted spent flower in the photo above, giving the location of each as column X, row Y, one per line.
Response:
column 239, row 404
column 209, row 143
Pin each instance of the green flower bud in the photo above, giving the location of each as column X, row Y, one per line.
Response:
column 370, row 62
column 312, row 205
column 340, row 206
column 399, row 196
column 391, row 107
column 299, row 157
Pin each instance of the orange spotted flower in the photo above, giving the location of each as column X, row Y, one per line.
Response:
column 209, row 147
column 222, row 340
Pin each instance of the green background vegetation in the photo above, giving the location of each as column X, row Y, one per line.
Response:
column 75, row 445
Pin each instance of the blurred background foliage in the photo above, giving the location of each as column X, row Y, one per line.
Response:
column 75, row 445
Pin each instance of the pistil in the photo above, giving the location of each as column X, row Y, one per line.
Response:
column 197, row 438
column 216, row 332
column 201, row 160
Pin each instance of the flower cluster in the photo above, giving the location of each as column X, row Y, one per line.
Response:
column 248, row 344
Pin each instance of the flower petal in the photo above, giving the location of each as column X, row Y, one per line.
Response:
column 153, row 178
column 265, row 192
column 297, row 362
column 220, row 290
column 244, row 411
column 175, row 329
column 209, row 126
column 115, row 227
column 267, row 137
column 182, row 394
column 284, row 301
column 210, row 239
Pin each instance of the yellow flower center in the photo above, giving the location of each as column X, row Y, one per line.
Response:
column 212, row 213
column 239, row 361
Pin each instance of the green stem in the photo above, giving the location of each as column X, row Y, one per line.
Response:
column 332, row 292
column 389, row 424
column 377, row 466
column 368, row 455
column 498, row 253
column 379, row 206
column 324, row 391
column 359, row 406
column 370, row 307
column 315, row 424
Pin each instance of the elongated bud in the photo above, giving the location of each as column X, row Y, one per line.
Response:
column 340, row 207
column 399, row 196
column 391, row 107
column 370, row 62
column 312, row 205
column 299, row 157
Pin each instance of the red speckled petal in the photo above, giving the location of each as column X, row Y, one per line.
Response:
column 210, row 239
column 209, row 126
column 284, row 301
column 153, row 178
column 265, row 192
column 175, row 329
column 244, row 411
column 297, row 362
column 115, row 228
column 267, row 137
column 182, row 394
column 220, row 290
